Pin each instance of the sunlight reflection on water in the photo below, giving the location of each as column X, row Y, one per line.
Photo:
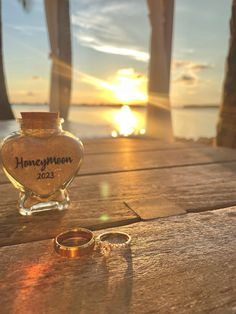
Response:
column 106, row 121
column 126, row 122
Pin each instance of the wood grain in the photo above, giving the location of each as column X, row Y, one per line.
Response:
column 155, row 208
column 138, row 160
column 184, row 264
column 193, row 187
column 127, row 147
column 167, row 191
column 15, row 229
column 130, row 161
column 118, row 145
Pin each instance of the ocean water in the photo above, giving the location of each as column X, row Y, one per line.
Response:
column 195, row 123
column 105, row 121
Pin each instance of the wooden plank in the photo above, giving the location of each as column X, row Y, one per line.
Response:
column 15, row 228
column 187, row 189
column 130, row 161
column 148, row 193
column 108, row 146
column 184, row 264
column 193, row 187
column 155, row 207
column 105, row 146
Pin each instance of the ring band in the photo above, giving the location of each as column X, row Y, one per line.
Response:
column 117, row 234
column 67, row 243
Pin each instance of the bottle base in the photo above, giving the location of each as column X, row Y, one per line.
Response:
column 30, row 204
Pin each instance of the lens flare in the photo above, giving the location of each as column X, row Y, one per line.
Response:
column 104, row 217
column 104, row 189
column 114, row 133
column 126, row 122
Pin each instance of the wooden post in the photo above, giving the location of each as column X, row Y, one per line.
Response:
column 226, row 128
column 5, row 106
column 158, row 110
column 58, row 21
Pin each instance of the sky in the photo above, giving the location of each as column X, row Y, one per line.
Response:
column 110, row 46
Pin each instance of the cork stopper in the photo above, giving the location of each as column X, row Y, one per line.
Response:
column 40, row 120
column 40, row 115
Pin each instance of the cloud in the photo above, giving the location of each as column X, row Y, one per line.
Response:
column 30, row 94
column 36, row 78
column 27, row 30
column 101, row 27
column 187, row 79
column 200, row 66
column 187, row 72
column 94, row 22
column 191, row 65
column 112, row 49
column 179, row 63
column 187, row 51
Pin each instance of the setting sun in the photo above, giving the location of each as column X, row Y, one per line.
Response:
column 126, row 86
column 129, row 87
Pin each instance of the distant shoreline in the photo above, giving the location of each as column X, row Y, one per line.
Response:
column 82, row 105
column 191, row 106
column 207, row 106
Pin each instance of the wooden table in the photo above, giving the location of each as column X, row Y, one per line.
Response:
column 175, row 200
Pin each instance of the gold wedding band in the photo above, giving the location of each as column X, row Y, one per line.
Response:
column 68, row 243
column 118, row 235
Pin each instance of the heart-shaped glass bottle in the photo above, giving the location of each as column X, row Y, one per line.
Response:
column 41, row 160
